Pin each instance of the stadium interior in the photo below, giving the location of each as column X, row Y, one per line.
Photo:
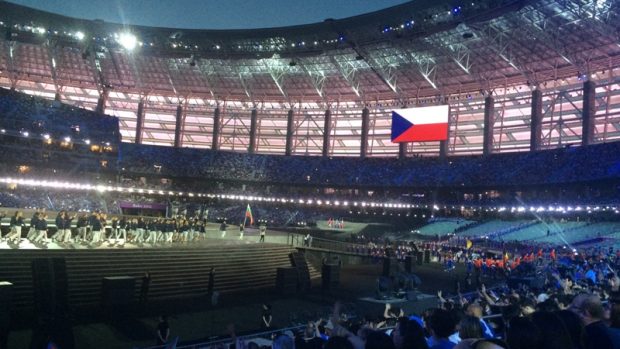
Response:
column 177, row 188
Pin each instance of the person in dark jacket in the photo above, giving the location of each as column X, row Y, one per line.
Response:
column 65, row 235
column 144, row 288
column 41, row 228
column 223, row 227
column 82, row 227
column 96, row 226
column 17, row 222
column 32, row 232
column 59, row 226
column 123, row 226
column 592, row 314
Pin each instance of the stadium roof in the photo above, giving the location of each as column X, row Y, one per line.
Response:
column 418, row 49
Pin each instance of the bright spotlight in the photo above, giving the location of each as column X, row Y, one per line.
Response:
column 127, row 40
column 46, row 136
column 79, row 36
column 67, row 139
column 87, row 141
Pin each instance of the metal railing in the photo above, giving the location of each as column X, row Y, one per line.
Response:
column 229, row 340
column 299, row 240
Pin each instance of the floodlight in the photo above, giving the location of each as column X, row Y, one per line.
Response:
column 79, row 35
column 127, row 40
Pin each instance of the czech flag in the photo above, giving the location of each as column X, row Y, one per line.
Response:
column 420, row 124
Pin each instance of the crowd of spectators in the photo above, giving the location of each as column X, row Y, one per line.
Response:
column 574, row 164
column 55, row 200
column 575, row 305
column 47, row 134
column 38, row 116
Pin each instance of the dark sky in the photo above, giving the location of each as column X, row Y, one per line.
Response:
column 210, row 14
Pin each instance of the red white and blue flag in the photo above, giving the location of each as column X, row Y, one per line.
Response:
column 420, row 124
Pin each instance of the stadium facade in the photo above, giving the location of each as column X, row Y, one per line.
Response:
column 518, row 76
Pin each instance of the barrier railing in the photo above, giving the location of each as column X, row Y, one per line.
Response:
column 229, row 340
column 299, row 240
column 225, row 341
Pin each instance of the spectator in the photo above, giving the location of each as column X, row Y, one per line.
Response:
column 408, row 334
column 591, row 311
column 379, row 340
column 266, row 317
column 163, row 330
column 522, row 333
column 470, row 330
column 441, row 326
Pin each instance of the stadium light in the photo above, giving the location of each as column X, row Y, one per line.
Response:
column 127, row 40
column 67, row 139
column 79, row 35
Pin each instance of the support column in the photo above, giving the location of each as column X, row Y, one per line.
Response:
column 402, row 150
column 365, row 127
column 327, row 131
column 216, row 129
column 589, row 112
column 290, row 130
column 102, row 101
column 536, row 121
column 179, row 129
column 489, row 120
column 139, row 122
column 443, row 149
column 253, row 128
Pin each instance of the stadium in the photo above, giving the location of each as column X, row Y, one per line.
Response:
column 179, row 186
